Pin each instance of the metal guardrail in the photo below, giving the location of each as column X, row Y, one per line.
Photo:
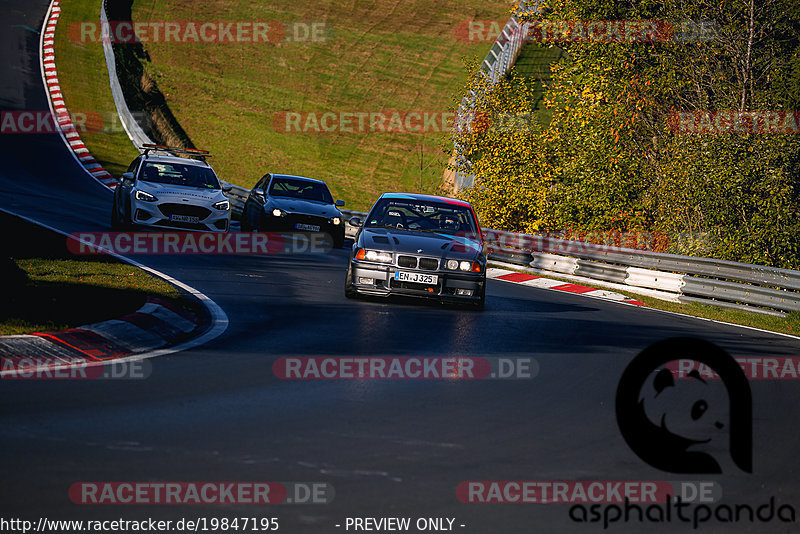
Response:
column 506, row 48
column 724, row 283
column 135, row 133
column 350, row 230
column 498, row 62
column 672, row 262
column 237, row 196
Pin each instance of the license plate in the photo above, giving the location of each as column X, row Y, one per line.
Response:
column 307, row 227
column 184, row 218
column 417, row 278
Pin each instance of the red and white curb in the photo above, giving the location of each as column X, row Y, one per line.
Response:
column 155, row 325
column 556, row 285
column 58, row 108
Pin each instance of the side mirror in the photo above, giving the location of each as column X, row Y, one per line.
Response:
column 340, row 203
column 226, row 186
column 127, row 176
column 259, row 193
column 355, row 221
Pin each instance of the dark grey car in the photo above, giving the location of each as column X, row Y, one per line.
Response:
column 420, row 246
column 286, row 203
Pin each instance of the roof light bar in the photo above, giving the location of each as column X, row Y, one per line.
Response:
column 195, row 152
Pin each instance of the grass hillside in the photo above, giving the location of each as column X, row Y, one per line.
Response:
column 83, row 77
column 379, row 55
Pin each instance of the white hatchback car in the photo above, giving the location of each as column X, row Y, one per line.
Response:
column 168, row 191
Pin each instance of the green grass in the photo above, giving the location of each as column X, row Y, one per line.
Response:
column 383, row 55
column 44, row 287
column 83, row 77
column 64, row 293
column 786, row 325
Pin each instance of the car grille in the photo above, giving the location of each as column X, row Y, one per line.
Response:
column 186, row 210
column 184, row 225
column 428, row 263
column 410, row 262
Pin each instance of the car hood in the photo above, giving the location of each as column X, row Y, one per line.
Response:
column 304, row 207
column 420, row 243
column 180, row 192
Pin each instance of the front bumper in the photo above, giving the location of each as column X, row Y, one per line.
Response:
column 369, row 278
column 167, row 215
column 289, row 224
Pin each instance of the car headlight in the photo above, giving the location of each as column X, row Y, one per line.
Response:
column 466, row 266
column 145, row 196
column 277, row 213
column 374, row 255
column 222, row 205
column 336, row 221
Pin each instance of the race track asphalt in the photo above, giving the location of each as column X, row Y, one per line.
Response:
column 388, row 447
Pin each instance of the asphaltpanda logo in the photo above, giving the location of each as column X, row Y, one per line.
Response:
column 686, row 424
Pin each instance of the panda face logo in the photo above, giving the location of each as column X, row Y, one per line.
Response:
column 686, row 425
column 694, row 408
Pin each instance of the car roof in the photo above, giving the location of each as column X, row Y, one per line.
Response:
column 429, row 198
column 174, row 159
column 293, row 177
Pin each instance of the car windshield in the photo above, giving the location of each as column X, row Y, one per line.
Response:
column 179, row 174
column 426, row 216
column 289, row 187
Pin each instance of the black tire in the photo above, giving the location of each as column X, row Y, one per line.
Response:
column 243, row 224
column 127, row 225
column 349, row 292
column 261, row 223
column 116, row 223
column 479, row 304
